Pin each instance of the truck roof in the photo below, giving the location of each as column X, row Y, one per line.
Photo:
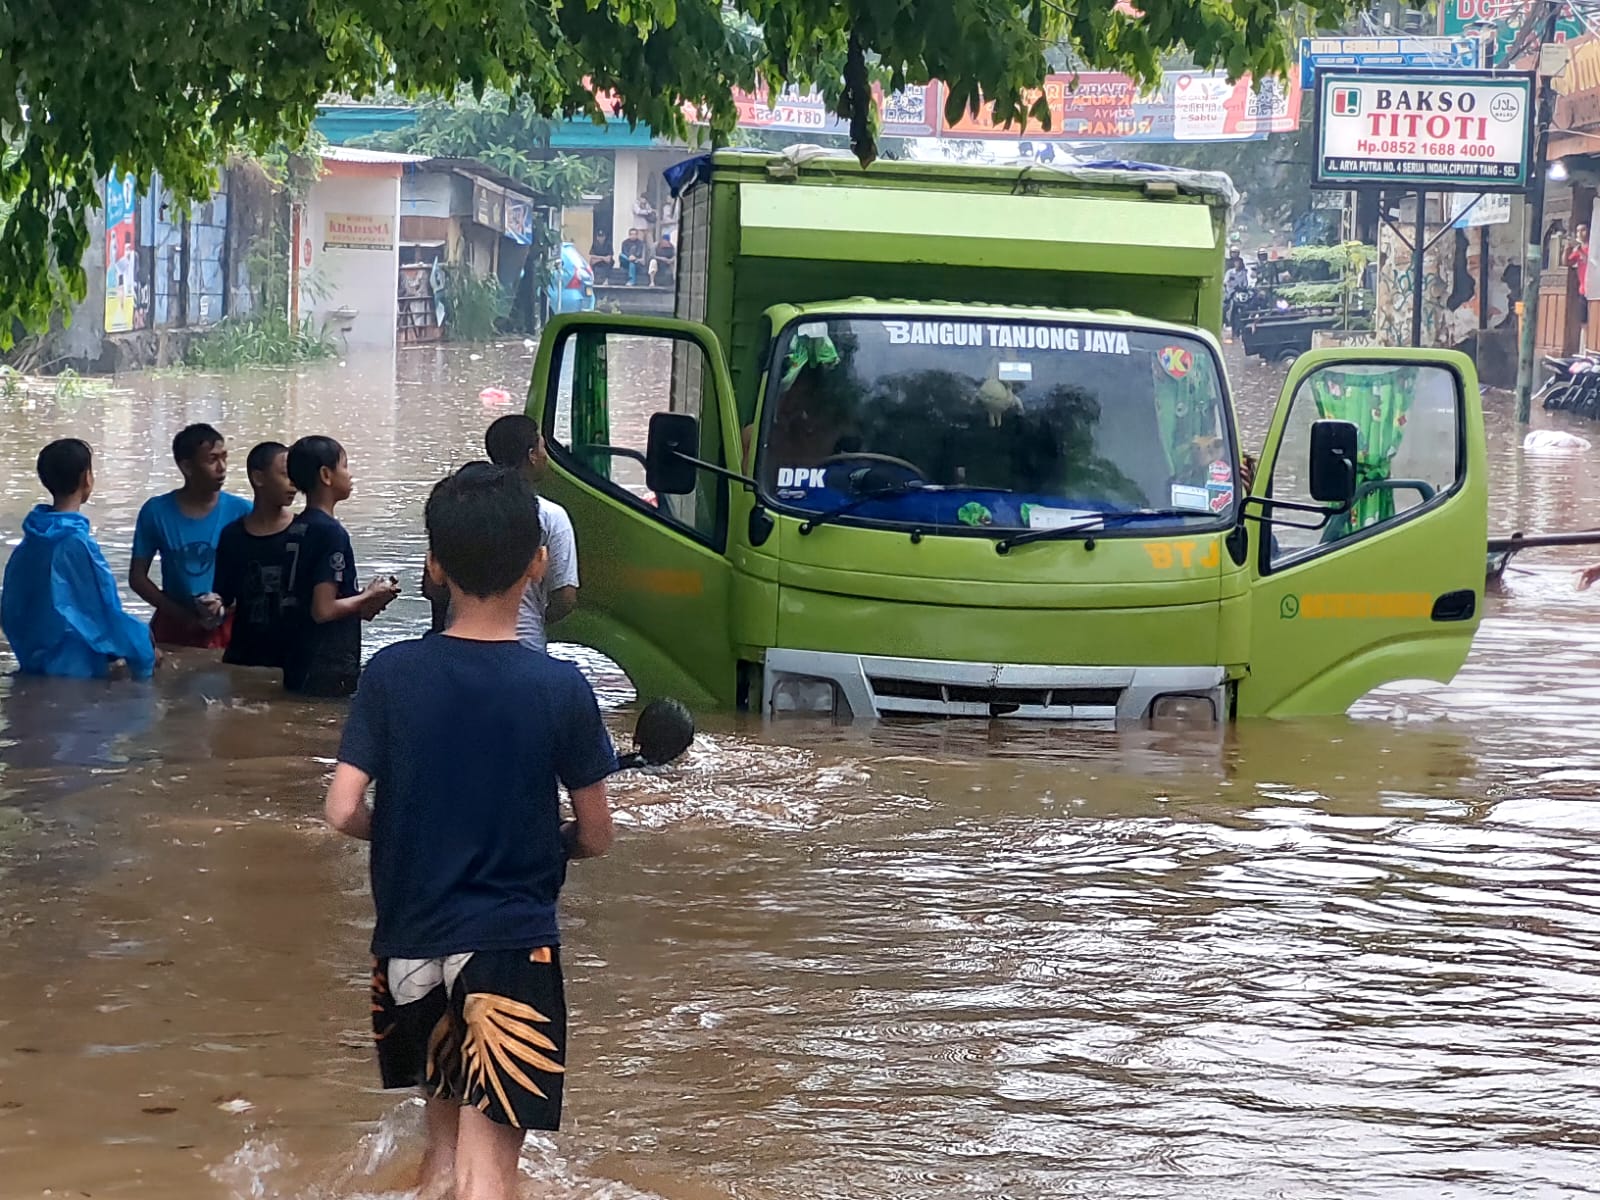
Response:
column 1076, row 222
column 814, row 164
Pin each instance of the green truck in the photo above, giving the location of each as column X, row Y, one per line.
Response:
column 942, row 440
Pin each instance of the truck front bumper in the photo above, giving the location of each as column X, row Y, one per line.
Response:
column 859, row 686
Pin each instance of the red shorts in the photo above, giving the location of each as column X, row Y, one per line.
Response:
column 169, row 633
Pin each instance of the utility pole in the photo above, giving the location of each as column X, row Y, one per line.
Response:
column 1419, row 250
column 1533, row 252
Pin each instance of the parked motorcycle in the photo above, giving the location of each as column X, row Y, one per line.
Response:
column 1573, row 384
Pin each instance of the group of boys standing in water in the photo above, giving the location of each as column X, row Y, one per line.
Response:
column 268, row 586
column 469, row 839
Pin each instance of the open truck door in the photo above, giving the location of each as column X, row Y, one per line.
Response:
column 621, row 401
column 1387, row 583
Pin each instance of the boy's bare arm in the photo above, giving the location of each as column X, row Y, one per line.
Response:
column 327, row 605
column 346, row 807
column 145, row 588
column 590, row 833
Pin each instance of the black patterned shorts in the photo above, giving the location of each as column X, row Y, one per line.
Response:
column 487, row 1029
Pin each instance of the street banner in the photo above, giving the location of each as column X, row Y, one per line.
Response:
column 1452, row 132
column 1188, row 106
column 912, row 112
column 1392, row 53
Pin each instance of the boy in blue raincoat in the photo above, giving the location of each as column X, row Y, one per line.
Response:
column 59, row 606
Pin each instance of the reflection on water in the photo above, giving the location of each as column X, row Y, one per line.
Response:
column 1349, row 957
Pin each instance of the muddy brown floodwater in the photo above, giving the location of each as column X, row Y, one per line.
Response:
column 1349, row 957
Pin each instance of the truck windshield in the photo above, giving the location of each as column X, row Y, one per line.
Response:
column 1003, row 424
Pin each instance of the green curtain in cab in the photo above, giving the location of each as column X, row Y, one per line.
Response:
column 1186, row 410
column 591, row 415
column 1377, row 404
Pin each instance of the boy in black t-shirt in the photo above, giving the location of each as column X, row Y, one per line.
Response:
column 251, row 564
column 322, row 633
column 468, row 846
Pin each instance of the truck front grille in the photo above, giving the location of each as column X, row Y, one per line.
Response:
column 967, row 700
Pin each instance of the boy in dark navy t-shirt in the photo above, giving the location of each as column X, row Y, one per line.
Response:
column 322, row 607
column 467, row 735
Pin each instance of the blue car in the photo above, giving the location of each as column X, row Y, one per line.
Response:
column 572, row 288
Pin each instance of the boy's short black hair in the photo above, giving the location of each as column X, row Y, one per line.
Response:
column 510, row 440
column 308, row 456
column 62, row 465
column 192, row 439
column 483, row 528
column 261, row 456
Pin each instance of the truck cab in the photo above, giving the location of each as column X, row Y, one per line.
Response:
column 946, row 504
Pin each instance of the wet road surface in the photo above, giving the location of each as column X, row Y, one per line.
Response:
column 1345, row 957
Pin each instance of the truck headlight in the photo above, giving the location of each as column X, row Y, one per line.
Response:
column 808, row 696
column 1183, row 711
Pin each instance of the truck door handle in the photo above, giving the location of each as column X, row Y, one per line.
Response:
column 1455, row 606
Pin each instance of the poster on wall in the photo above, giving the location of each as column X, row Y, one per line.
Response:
column 519, row 221
column 1464, row 131
column 356, row 231
column 122, row 253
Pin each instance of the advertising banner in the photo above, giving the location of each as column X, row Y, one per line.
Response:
column 1188, row 106
column 913, row 112
column 1468, row 210
column 1422, row 53
column 122, row 255
column 1460, row 131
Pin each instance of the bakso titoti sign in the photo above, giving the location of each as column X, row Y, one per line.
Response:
column 1456, row 131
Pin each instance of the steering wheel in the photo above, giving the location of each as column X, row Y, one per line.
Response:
column 866, row 456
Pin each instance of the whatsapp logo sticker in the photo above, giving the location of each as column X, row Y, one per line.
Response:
column 1289, row 607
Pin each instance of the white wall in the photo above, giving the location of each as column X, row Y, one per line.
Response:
column 365, row 280
column 624, row 195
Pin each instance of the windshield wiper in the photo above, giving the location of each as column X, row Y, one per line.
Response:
column 1090, row 526
column 887, row 493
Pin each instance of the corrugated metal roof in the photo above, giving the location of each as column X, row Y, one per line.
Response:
column 482, row 170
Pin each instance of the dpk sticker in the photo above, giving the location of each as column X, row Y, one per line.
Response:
column 800, row 477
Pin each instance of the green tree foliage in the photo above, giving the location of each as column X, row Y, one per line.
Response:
column 503, row 132
column 173, row 85
column 1330, row 276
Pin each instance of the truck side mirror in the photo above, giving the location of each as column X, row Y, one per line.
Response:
column 1333, row 462
column 673, row 443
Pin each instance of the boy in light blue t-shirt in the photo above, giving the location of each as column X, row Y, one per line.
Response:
column 183, row 527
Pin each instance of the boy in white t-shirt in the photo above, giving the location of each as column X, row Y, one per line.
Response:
column 515, row 441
